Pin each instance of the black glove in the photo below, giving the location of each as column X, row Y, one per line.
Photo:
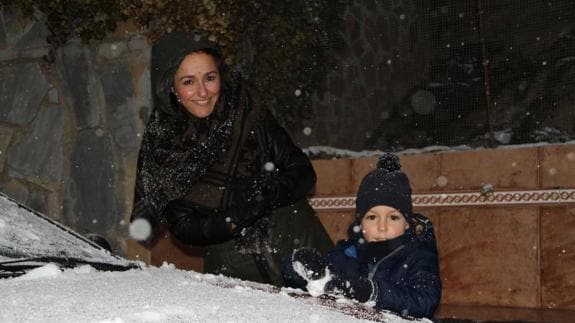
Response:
column 262, row 189
column 253, row 200
column 360, row 289
column 196, row 225
column 309, row 263
column 246, row 215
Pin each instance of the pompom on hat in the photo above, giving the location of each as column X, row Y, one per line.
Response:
column 386, row 185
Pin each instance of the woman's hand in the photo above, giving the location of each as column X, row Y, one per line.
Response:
column 197, row 226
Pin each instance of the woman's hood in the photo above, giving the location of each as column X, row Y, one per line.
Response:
column 167, row 54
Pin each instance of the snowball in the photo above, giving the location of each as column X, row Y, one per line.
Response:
column 297, row 92
column 307, row 131
column 140, row 229
column 269, row 167
column 316, row 287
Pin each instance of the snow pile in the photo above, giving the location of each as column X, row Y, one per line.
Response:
column 153, row 294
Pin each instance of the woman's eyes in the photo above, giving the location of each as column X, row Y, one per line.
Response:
column 209, row 78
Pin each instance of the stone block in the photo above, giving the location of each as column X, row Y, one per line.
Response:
column 558, row 257
column 422, row 170
column 513, row 168
column 118, row 87
column 336, row 223
column 80, row 85
column 489, row 256
column 558, row 166
column 34, row 36
column 333, row 177
column 40, row 152
column 23, row 88
column 5, row 137
column 93, row 196
column 359, row 168
column 3, row 41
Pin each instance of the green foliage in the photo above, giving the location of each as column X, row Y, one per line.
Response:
column 283, row 46
column 87, row 19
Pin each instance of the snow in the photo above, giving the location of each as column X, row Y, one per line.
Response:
column 314, row 287
column 50, row 293
column 153, row 294
column 338, row 152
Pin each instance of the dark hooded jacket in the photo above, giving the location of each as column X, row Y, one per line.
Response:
column 405, row 270
column 209, row 164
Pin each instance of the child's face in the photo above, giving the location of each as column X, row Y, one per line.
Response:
column 383, row 223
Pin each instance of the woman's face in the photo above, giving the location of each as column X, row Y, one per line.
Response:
column 197, row 84
column 383, row 223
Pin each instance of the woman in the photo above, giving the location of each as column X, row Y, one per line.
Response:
column 218, row 170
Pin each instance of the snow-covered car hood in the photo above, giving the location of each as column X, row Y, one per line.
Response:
column 64, row 277
column 162, row 294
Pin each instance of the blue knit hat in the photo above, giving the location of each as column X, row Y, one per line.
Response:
column 386, row 185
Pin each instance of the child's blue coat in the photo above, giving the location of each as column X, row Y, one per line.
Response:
column 406, row 277
column 405, row 270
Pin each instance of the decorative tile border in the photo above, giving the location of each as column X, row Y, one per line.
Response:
column 532, row 197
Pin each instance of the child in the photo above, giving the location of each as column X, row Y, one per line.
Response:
column 390, row 258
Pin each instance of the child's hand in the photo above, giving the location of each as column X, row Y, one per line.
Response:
column 359, row 289
column 313, row 268
column 309, row 263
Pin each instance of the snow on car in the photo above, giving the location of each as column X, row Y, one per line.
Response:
column 52, row 274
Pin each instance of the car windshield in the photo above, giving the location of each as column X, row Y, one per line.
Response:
column 28, row 239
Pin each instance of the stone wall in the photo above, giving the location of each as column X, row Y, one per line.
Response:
column 71, row 119
column 70, row 124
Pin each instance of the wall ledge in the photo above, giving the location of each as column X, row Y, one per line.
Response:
column 494, row 198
